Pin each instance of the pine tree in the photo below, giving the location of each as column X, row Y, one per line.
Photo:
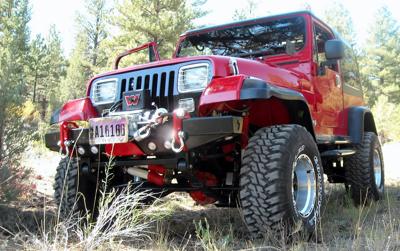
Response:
column 14, row 37
column 46, row 68
column 56, row 70
column 37, row 65
column 339, row 18
column 161, row 21
column 382, row 60
column 78, row 71
column 95, row 25
column 88, row 57
column 246, row 12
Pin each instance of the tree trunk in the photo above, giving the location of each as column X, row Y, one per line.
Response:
column 1, row 137
column 35, row 83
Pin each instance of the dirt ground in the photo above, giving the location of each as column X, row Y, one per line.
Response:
column 182, row 215
column 44, row 167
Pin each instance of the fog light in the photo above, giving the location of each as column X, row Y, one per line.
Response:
column 180, row 113
column 81, row 150
column 152, row 146
column 94, row 150
column 187, row 104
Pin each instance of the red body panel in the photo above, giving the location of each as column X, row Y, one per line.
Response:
column 156, row 174
column 78, row 110
column 325, row 98
column 199, row 196
column 221, row 90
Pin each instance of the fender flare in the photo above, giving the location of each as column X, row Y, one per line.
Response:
column 254, row 88
column 360, row 120
column 55, row 117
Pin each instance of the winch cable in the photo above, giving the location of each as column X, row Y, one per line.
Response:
column 115, row 106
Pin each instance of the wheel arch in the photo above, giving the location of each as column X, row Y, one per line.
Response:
column 360, row 120
column 293, row 101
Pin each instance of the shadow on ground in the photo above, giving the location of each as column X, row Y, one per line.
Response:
column 343, row 226
column 26, row 216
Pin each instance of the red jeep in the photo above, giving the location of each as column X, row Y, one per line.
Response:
column 249, row 114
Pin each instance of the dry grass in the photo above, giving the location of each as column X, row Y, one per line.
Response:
column 176, row 223
column 344, row 227
column 122, row 218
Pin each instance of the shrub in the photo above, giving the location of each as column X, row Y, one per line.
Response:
column 15, row 133
column 14, row 181
column 387, row 119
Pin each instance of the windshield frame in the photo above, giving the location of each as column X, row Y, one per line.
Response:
column 302, row 15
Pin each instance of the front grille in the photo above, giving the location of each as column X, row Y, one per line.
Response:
column 160, row 84
column 160, row 81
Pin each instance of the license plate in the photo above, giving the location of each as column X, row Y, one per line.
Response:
column 108, row 130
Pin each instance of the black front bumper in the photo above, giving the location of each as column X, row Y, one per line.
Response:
column 198, row 132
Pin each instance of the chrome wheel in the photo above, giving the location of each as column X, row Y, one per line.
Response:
column 377, row 169
column 304, row 185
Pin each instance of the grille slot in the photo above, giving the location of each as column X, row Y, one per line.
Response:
column 146, row 82
column 170, row 89
column 130, row 85
column 138, row 83
column 160, row 83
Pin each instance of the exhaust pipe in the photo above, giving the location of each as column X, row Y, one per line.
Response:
column 154, row 174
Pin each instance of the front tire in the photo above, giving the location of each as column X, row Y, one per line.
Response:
column 281, row 180
column 74, row 192
column 365, row 170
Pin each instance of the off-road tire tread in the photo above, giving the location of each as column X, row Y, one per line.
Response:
column 66, row 196
column 262, row 185
column 359, row 173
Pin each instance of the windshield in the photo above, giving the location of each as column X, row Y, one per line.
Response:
column 284, row 36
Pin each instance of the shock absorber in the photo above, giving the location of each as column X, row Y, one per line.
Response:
column 155, row 174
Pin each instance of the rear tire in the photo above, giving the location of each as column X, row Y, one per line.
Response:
column 281, row 180
column 365, row 171
column 74, row 193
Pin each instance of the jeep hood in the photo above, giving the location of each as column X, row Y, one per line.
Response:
column 270, row 73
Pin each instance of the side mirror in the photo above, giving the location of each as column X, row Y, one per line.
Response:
column 334, row 49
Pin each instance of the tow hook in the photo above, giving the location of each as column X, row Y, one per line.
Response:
column 65, row 143
column 142, row 133
column 178, row 135
column 179, row 148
